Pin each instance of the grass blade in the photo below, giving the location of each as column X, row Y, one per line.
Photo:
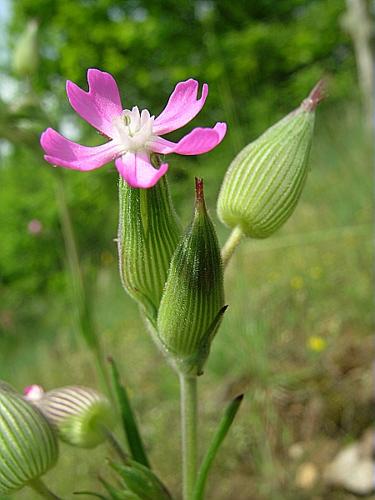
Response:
column 222, row 431
column 128, row 420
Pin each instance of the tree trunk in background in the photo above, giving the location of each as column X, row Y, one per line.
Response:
column 358, row 23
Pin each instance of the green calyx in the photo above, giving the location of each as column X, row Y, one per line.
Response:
column 28, row 445
column 80, row 415
column 148, row 234
column 192, row 305
column 264, row 182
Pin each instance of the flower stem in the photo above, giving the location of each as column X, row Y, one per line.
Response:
column 189, row 406
column 231, row 244
column 114, row 442
column 38, row 486
column 79, row 293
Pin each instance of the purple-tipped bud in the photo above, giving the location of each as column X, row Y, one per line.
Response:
column 264, row 182
column 193, row 301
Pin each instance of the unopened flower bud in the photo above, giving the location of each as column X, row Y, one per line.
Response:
column 264, row 182
column 28, row 445
column 193, row 301
column 81, row 415
column 26, row 54
column 33, row 393
column 147, row 237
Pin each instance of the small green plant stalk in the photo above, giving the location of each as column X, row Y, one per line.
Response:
column 189, row 316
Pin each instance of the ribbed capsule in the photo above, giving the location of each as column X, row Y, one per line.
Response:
column 192, row 304
column 28, row 445
column 80, row 415
column 147, row 237
column 5, row 387
column 264, row 182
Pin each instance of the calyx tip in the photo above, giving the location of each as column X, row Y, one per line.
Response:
column 318, row 93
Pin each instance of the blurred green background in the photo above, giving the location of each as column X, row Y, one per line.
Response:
column 297, row 335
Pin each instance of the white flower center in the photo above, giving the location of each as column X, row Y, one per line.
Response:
column 133, row 130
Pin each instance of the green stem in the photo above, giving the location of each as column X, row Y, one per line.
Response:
column 218, row 438
column 231, row 244
column 189, row 406
column 84, row 317
column 114, row 442
column 38, row 486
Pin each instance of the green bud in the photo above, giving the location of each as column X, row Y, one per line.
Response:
column 28, row 445
column 26, row 54
column 147, row 237
column 80, row 415
column 264, row 182
column 141, row 481
column 192, row 305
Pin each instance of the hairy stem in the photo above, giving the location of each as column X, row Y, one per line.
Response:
column 231, row 244
column 189, row 406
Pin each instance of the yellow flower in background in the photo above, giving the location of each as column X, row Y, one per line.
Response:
column 317, row 343
column 297, row 282
column 316, row 272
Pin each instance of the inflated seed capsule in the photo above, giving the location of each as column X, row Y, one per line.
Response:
column 148, row 234
column 28, row 445
column 81, row 415
column 193, row 301
column 264, row 182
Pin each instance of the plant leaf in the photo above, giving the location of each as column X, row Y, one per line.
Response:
column 128, row 420
column 219, row 436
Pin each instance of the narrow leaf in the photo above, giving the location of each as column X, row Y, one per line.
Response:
column 216, row 442
column 128, row 420
column 114, row 494
column 90, row 494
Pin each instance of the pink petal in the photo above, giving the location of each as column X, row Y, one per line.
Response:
column 60, row 151
column 181, row 108
column 198, row 141
column 137, row 170
column 100, row 104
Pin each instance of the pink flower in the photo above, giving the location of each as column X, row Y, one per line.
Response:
column 133, row 134
column 33, row 392
column 35, row 227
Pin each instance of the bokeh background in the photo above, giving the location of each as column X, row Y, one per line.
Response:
column 297, row 336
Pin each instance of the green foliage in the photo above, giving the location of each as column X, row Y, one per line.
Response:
column 258, row 57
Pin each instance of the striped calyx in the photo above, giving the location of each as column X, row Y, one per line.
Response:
column 28, row 445
column 148, row 234
column 80, row 415
column 193, row 301
column 5, row 387
column 264, row 182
